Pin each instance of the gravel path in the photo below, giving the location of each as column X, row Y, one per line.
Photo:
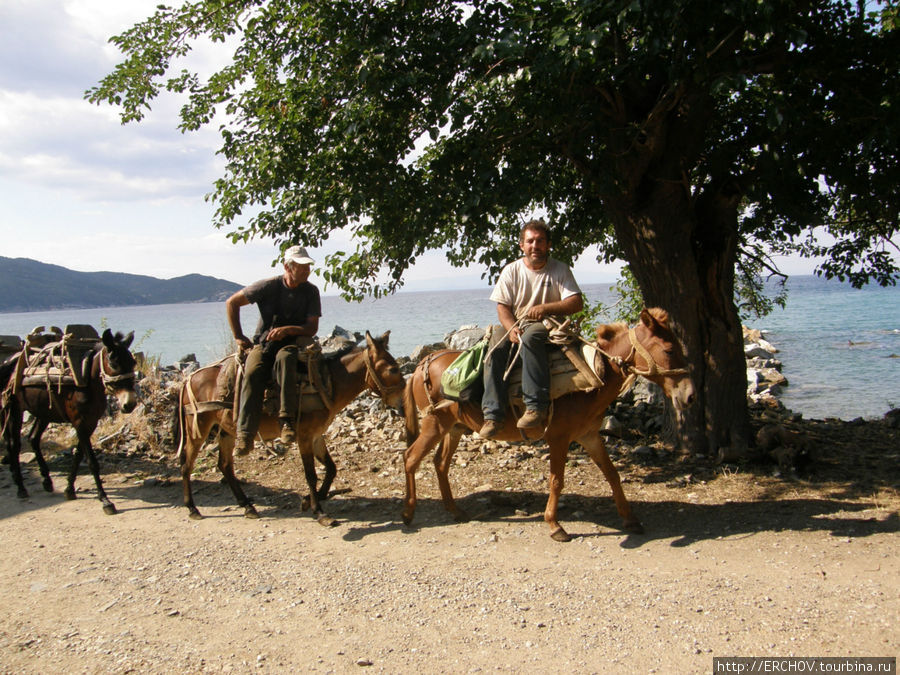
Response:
column 727, row 567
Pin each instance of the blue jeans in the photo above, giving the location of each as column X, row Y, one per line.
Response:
column 535, row 374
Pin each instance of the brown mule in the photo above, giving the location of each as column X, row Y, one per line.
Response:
column 371, row 366
column 111, row 372
column 650, row 349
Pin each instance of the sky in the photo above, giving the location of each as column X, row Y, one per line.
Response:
column 81, row 190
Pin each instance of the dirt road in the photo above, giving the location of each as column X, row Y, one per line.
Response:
column 733, row 562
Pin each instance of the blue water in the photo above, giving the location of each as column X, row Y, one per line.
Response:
column 828, row 376
column 173, row 331
column 840, row 348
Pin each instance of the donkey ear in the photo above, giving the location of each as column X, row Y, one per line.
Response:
column 128, row 340
column 384, row 339
column 655, row 318
column 605, row 334
column 107, row 338
column 370, row 341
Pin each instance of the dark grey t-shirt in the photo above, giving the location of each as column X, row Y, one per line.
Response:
column 282, row 306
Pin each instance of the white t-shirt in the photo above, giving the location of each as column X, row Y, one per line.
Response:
column 522, row 288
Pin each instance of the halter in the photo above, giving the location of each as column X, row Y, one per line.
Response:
column 630, row 369
column 111, row 378
column 377, row 384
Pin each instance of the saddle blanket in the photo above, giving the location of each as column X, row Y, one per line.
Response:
column 565, row 377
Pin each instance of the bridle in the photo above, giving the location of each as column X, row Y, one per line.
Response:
column 111, row 379
column 377, row 384
column 631, row 371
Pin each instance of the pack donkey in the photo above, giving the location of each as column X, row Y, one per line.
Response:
column 65, row 380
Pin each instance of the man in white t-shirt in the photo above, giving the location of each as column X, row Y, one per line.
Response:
column 529, row 290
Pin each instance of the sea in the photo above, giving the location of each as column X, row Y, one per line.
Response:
column 840, row 346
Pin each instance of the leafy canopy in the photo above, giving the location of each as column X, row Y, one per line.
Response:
column 433, row 124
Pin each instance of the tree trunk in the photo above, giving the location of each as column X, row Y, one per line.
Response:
column 682, row 253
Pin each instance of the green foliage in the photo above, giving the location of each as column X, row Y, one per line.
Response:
column 147, row 365
column 435, row 124
column 627, row 307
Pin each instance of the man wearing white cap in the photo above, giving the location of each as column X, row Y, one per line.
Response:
column 289, row 311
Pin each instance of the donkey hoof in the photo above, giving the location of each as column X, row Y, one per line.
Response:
column 47, row 485
column 251, row 512
column 461, row 517
column 109, row 509
column 326, row 521
column 634, row 527
column 70, row 494
column 195, row 515
column 560, row 534
column 22, row 493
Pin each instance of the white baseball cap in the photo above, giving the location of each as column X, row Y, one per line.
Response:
column 298, row 254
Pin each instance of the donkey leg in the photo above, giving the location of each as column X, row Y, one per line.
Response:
column 188, row 455
column 189, row 447
column 559, row 449
column 14, row 446
column 430, row 434
column 596, row 447
column 309, row 470
column 442, row 459
column 320, row 450
column 73, row 472
column 226, row 466
column 108, row 507
column 37, row 430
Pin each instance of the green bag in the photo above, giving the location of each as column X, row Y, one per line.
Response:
column 463, row 380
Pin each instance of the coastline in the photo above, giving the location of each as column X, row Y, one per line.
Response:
column 836, row 368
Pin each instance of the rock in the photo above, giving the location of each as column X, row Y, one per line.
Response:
column 751, row 351
column 422, row 351
column 772, row 378
column 892, row 418
column 339, row 341
column 187, row 364
column 464, row 337
column 645, row 391
column 752, row 381
column 612, row 426
column 644, row 451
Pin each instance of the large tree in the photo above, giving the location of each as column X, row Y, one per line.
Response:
column 691, row 138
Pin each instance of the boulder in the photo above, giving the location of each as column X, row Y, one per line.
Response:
column 464, row 337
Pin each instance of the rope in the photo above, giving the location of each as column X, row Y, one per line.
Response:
column 380, row 388
column 628, row 369
column 514, row 354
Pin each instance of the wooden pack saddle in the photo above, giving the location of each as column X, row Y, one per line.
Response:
column 52, row 357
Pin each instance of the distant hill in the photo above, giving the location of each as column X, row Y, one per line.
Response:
column 28, row 285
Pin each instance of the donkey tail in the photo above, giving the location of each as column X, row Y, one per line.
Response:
column 410, row 411
column 178, row 420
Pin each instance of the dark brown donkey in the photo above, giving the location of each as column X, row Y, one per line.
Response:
column 649, row 349
column 370, row 366
column 111, row 372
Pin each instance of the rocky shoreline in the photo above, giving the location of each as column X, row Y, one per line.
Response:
column 635, row 422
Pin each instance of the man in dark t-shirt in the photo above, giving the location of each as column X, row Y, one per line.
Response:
column 289, row 311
